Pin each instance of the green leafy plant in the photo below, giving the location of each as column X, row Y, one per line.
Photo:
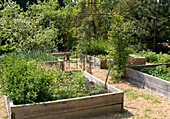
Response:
column 160, row 71
column 119, row 40
column 152, row 57
column 7, row 49
column 23, row 81
column 24, row 29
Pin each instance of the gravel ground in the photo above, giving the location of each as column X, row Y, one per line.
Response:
column 146, row 104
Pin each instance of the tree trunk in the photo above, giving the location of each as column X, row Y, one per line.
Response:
column 154, row 40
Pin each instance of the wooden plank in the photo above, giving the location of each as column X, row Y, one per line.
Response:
column 165, row 85
column 94, row 79
column 146, row 81
column 67, row 105
column 136, row 60
column 7, row 101
column 83, row 113
column 139, row 67
column 102, row 62
column 157, row 90
column 61, row 53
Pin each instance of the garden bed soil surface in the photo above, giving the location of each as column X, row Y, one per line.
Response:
column 134, row 108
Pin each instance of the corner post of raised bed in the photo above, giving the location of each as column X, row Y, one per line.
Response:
column 67, row 54
column 62, row 66
column 13, row 116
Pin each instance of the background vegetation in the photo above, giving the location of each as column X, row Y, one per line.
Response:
column 43, row 24
column 51, row 26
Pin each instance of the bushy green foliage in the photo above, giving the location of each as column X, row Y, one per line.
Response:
column 48, row 25
column 24, row 30
column 150, row 17
column 120, row 37
column 42, row 27
column 93, row 47
column 23, row 81
column 103, row 56
column 151, row 20
column 160, row 71
column 7, row 49
column 152, row 57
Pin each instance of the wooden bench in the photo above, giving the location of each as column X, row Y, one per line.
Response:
column 67, row 54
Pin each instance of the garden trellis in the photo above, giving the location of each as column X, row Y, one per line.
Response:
column 90, row 26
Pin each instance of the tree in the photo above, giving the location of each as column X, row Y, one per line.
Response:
column 41, row 27
column 24, row 31
column 152, row 20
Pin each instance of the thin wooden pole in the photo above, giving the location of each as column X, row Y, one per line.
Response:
column 108, row 74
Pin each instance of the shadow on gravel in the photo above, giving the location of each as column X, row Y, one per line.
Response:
column 122, row 114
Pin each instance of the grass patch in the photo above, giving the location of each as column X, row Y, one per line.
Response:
column 148, row 110
column 150, row 97
column 131, row 94
column 134, row 94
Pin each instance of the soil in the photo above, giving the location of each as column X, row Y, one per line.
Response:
column 134, row 108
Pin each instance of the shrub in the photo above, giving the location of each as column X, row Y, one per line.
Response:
column 92, row 47
column 152, row 57
column 163, row 58
column 119, row 40
column 26, row 31
column 25, row 82
column 98, row 46
column 6, row 49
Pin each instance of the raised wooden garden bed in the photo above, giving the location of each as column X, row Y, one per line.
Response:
column 102, row 62
column 146, row 81
column 74, row 108
column 136, row 60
